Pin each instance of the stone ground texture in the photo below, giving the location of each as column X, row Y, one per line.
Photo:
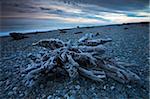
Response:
column 130, row 44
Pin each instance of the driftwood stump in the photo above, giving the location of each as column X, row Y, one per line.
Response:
column 84, row 57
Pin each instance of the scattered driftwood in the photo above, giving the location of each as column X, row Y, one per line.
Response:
column 84, row 57
column 62, row 31
column 89, row 27
column 78, row 32
column 125, row 28
column 17, row 36
column 97, row 34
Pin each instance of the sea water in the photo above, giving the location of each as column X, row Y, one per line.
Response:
column 33, row 25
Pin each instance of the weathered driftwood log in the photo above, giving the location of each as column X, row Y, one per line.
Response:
column 95, row 42
column 76, row 59
column 17, row 36
column 100, row 49
column 86, row 37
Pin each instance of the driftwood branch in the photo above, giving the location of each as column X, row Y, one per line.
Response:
column 92, row 74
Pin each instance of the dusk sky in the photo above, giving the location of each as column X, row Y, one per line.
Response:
column 87, row 12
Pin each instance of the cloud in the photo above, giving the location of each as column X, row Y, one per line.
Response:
column 113, row 4
column 122, row 18
column 78, row 11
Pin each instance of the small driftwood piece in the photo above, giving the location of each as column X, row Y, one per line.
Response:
column 78, row 32
column 95, row 42
column 62, row 31
column 84, row 57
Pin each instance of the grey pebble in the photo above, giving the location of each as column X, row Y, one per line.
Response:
column 93, row 88
column 84, row 97
column 49, row 97
column 58, row 91
column 21, row 94
column 94, row 94
column 77, row 87
column 7, row 82
column 1, row 83
column 104, row 87
column 10, row 93
column 41, row 86
column 43, row 96
column 129, row 86
column 112, row 87
column 15, row 88
column 49, row 82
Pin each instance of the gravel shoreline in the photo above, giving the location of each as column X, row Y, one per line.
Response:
column 130, row 44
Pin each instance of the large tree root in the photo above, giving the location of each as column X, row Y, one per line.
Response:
column 85, row 57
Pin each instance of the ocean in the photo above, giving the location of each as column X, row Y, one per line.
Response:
column 33, row 25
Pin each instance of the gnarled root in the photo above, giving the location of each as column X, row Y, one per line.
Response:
column 49, row 43
column 119, row 73
column 92, row 74
column 76, row 59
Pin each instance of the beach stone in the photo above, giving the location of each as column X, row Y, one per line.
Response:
column 71, row 97
column 49, row 82
column 73, row 92
column 1, row 83
column 56, row 97
column 16, row 66
column 104, row 87
column 19, row 91
column 62, row 92
column 84, row 97
column 7, row 87
column 21, row 95
column 15, row 88
column 49, row 97
column 41, row 86
column 43, row 96
column 10, row 93
column 57, row 91
column 7, row 82
column 37, row 97
column 129, row 86
column 112, row 87
column 77, row 87
column 93, row 86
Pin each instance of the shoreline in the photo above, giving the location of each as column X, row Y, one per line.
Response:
column 37, row 32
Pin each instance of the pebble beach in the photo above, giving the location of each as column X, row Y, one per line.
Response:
column 130, row 44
